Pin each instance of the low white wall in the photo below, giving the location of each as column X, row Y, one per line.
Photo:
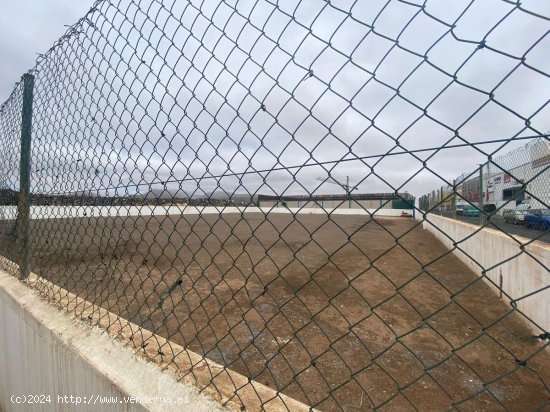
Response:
column 58, row 212
column 521, row 275
column 45, row 353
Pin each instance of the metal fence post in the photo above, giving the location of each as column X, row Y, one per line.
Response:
column 453, row 200
column 441, row 202
column 23, row 204
column 481, row 194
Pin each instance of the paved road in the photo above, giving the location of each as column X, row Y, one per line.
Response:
column 498, row 223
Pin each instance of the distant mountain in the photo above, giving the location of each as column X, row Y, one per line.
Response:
column 8, row 197
column 154, row 196
column 237, row 198
column 165, row 194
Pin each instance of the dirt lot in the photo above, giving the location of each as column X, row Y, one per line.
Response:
column 333, row 312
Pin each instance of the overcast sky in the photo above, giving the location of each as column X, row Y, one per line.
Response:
column 230, row 95
column 28, row 27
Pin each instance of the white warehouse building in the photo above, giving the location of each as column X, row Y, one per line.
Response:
column 519, row 177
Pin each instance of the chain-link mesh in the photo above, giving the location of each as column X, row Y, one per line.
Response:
column 239, row 178
column 514, row 192
column 10, row 150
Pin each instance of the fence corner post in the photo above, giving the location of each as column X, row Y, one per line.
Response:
column 23, row 204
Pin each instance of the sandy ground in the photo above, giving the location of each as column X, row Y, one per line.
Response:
column 331, row 311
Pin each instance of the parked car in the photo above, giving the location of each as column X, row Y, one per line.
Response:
column 514, row 216
column 460, row 208
column 524, row 207
column 470, row 211
column 538, row 219
column 489, row 208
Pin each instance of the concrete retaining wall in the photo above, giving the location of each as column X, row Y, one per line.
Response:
column 43, row 351
column 47, row 357
column 53, row 212
column 519, row 272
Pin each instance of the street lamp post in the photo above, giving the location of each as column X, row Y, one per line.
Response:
column 345, row 186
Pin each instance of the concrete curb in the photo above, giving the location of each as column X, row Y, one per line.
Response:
column 45, row 352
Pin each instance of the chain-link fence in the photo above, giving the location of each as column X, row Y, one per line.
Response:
column 509, row 193
column 10, row 152
column 230, row 187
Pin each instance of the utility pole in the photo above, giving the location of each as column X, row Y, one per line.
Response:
column 481, row 194
column 348, row 192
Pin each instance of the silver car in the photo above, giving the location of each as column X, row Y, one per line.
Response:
column 514, row 216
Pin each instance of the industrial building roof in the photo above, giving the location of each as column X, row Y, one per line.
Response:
column 343, row 196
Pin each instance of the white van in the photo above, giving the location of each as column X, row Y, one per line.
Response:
column 523, row 207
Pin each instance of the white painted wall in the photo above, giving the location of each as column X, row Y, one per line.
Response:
column 44, row 352
column 520, row 276
column 58, row 212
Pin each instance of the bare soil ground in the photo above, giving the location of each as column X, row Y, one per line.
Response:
column 331, row 311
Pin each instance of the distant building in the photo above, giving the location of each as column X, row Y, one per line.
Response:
column 519, row 177
column 353, row 201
